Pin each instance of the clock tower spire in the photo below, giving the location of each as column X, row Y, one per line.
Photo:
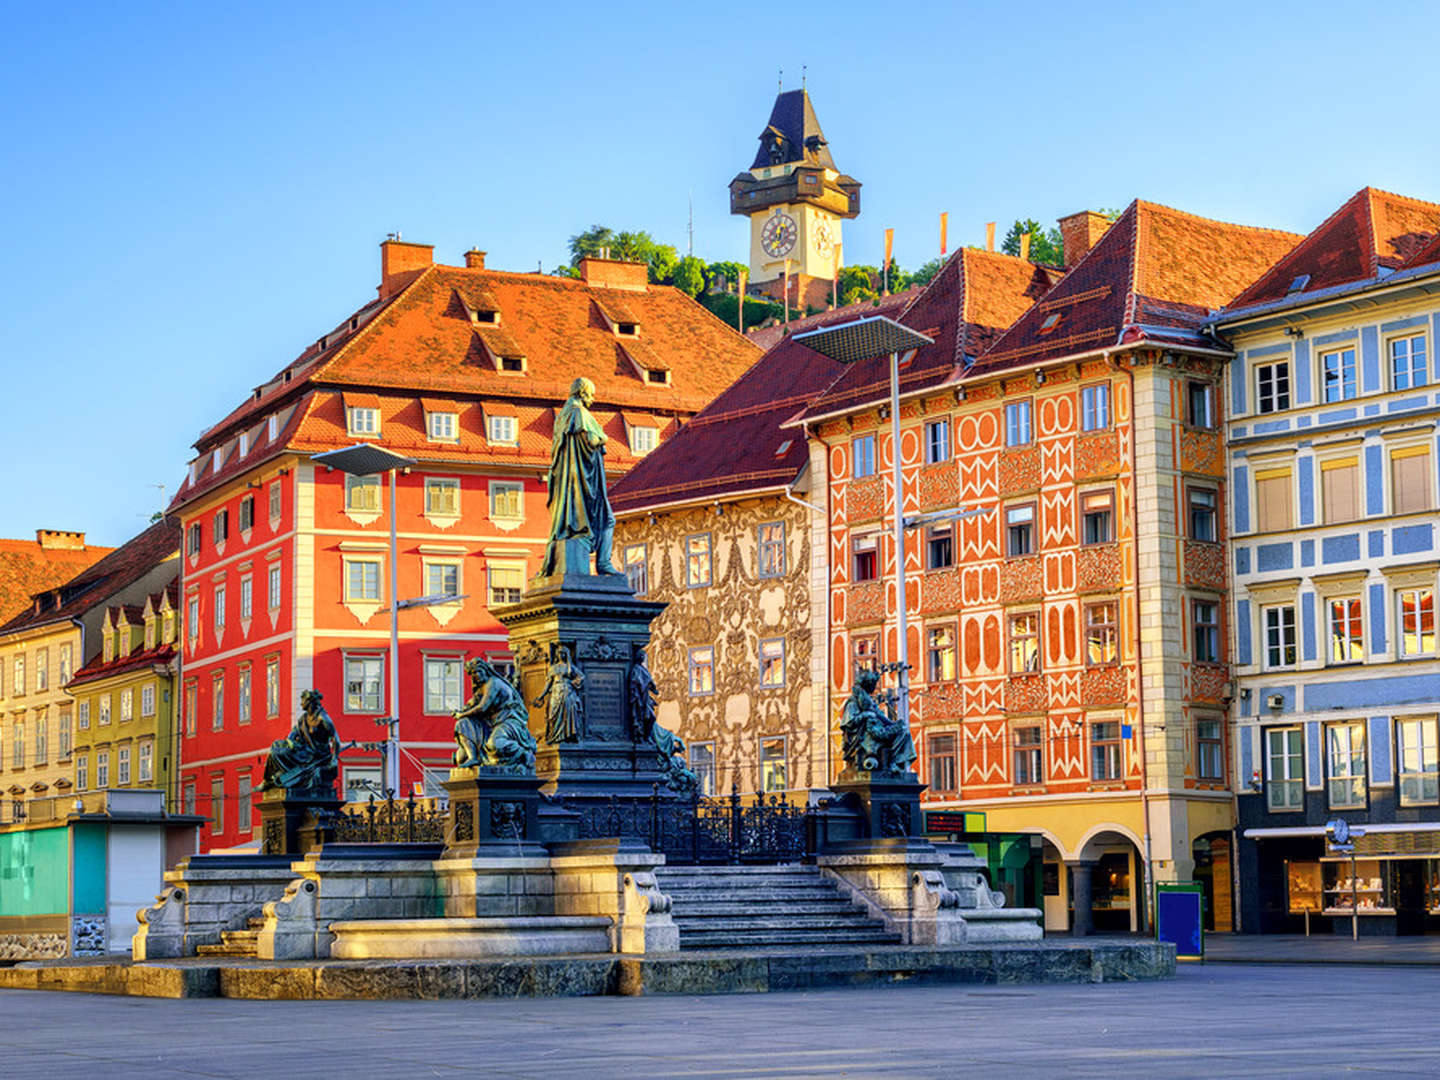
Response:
column 795, row 198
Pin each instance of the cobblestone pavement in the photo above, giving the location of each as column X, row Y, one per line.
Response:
column 1227, row 1020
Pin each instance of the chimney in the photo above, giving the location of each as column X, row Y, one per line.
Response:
column 60, row 540
column 1081, row 232
column 989, row 236
column 614, row 274
column 1025, row 246
column 475, row 259
column 400, row 262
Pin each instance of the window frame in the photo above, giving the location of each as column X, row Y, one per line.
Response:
column 1281, row 626
column 362, row 420
column 1270, row 473
column 1111, row 747
column 865, row 544
column 1214, row 744
column 362, row 494
column 767, row 762
column 1341, row 380
column 1429, row 772
column 1030, row 533
column 1112, row 625
column 354, row 703
column 942, row 652
column 1019, row 423
column 1351, row 753
column 499, row 491
column 697, row 664
column 1427, row 487
column 1011, row 639
column 1207, row 630
column 1210, row 512
column 693, row 552
column 940, row 546
column 1203, row 391
column 868, row 459
column 1095, row 413
column 431, row 563
column 1329, row 513
column 1087, row 512
column 637, row 571
column 443, row 707
column 502, row 430
column 706, row 776
column 507, row 567
column 434, row 487
column 1402, row 618
column 770, row 551
column 942, row 773
column 767, row 664
column 1279, row 374
column 1351, row 624
column 1289, row 788
column 937, row 441
column 436, row 420
column 1408, row 337
column 1031, row 752
column 352, row 562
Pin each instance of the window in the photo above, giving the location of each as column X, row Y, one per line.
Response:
column 507, row 500
column 940, row 755
column 364, row 690
column 1105, row 751
column 275, row 501
column 1025, row 643
column 362, row 579
column 247, row 513
column 362, row 494
column 1094, row 407
column 247, row 597
column 442, row 426
column 42, row 669
column 643, row 440
column 1279, row 635
column 502, row 429
column 122, row 766
column 1017, row 423
column 1209, row 749
column 244, row 807
column 1097, row 514
column 82, row 715
column 242, row 694
column 702, row 764
column 274, row 598
column 1410, row 479
column 149, row 636
column 1346, row 745
column 442, row 579
column 1415, row 746
column 772, row 549
column 773, row 774
column 940, row 657
column 42, row 740
column 1101, row 644
column 697, row 561
column 772, row 663
column 505, row 583
column 1347, row 645
column 362, row 421
column 1206, row 616
column 192, row 709
column 939, row 546
column 17, row 750
column 147, row 700
column 702, row 670
column 637, row 570
column 1028, row 754
column 1020, row 530
column 1337, row 374
column 217, row 705
column 862, row 557
column 82, row 772
column 1407, row 362
column 1199, row 411
column 937, row 441
column 102, row 769
column 1340, row 489
column 1273, row 500
column 442, row 496
column 862, row 452
column 444, row 684
column 272, row 686
column 865, row 652
column 219, row 610
column 192, row 539
column 1202, row 514
column 217, row 804
column 1272, row 387
column 63, row 734
column 104, row 709
column 1417, row 621
column 192, row 617
column 220, row 529
column 127, row 705
column 18, row 686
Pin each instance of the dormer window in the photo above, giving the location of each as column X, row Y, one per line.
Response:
column 627, row 329
column 643, row 440
column 244, row 443
column 149, row 634
column 362, row 420
column 1051, row 321
column 501, row 429
column 512, row 363
column 217, row 459
column 272, row 428
column 442, row 426
column 489, row 318
column 657, row 375
column 784, row 447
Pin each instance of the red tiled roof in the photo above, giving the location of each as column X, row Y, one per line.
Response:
column 769, row 336
column 143, row 658
column 1154, row 275
column 27, row 568
column 1371, row 230
column 1426, row 255
column 421, row 345
column 95, row 585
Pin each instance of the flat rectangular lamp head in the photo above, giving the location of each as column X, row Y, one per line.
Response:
column 363, row 459
column 863, row 339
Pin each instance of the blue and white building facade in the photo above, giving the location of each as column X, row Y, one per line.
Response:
column 1333, row 438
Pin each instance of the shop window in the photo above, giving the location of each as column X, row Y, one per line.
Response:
column 1345, row 745
column 1202, row 514
column 1279, row 622
column 1097, row 517
column 939, row 547
column 702, row 764
column 1020, row 530
column 1410, row 484
column 937, row 441
column 1417, row 622
column 1416, row 762
column 940, row 653
column 1105, row 753
column 1209, row 749
column 1100, row 633
column 1028, row 750
column 940, row 761
column 863, row 557
column 1362, row 887
column 773, row 773
column 1025, row 643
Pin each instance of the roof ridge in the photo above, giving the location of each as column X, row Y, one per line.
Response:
column 1147, row 204
column 1400, row 198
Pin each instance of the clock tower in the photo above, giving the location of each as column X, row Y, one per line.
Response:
column 795, row 199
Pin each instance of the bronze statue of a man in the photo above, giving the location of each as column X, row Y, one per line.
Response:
column 492, row 729
column 309, row 758
column 581, row 521
column 873, row 738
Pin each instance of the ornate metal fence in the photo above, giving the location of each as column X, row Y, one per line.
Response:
column 393, row 821
column 715, row 830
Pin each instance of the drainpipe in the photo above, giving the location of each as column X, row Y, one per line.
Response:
column 1139, row 658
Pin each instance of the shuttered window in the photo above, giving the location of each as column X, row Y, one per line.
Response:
column 1273, row 500
column 1340, row 489
column 1410, row 479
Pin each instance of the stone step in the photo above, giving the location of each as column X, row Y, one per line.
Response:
column 753, row 896
column 256, row 922
column 760, row 938
column 225, row 949
column 758, row 870
column 827, row 905
column 779, row 921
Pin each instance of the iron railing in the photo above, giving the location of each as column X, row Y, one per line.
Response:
column 391, row 821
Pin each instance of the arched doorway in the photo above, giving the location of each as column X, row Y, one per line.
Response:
column 1213, row 854
column 1107, row 885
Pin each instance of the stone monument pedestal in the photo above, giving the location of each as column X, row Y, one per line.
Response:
column 888, row 803
column 493, row 810
column 285, row 814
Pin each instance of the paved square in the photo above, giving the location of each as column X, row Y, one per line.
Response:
column 1230, row 1020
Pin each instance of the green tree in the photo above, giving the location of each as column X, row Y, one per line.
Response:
column 689, row 275
column 859, row 283
column 593, row 241
column 1045, row 246
column 730, row 271
column 637, row 246
column 927, row 272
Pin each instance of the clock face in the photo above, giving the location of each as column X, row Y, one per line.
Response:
column 824, row 239
column 778, row 236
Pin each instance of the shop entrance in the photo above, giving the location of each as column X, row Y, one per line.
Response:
column 1109, row 874
column 1212, row 854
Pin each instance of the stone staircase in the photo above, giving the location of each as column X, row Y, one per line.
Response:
column 764, row 906
column 243, row 943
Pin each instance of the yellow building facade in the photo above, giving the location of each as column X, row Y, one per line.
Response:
column 35, row 665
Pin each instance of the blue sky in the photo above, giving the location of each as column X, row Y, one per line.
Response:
column 194, row 192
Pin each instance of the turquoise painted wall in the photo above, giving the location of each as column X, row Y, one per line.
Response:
column 35, row 872
column 90, row 843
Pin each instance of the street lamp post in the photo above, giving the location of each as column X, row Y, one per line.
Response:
column 850, row 343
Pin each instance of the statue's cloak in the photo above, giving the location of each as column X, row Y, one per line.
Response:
column 578, row 502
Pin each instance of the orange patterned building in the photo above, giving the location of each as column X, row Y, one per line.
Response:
column 1065, row 568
